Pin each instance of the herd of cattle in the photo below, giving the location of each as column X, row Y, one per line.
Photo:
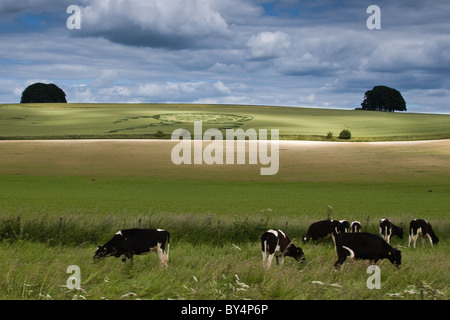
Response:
column 348, row 240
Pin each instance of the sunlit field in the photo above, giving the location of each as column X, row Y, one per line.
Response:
column 62, row 196
column 67, row 121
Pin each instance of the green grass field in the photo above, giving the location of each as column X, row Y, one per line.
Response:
column 51, row 121
column 60, row 199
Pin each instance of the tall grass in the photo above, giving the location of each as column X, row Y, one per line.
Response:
column 77, row 229
column 32, row 270
column 211, row 257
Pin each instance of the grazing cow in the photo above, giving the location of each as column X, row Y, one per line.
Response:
column 276, row 243
column 388, row 229
column 127, row 243
column 365, row 245
column 355, row 227
column 321, row 229
column 421, row 227
column 343, row 226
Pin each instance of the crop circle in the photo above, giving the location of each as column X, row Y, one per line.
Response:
column 211, row 118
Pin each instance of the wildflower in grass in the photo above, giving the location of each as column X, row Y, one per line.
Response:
column 242, row 285
column 129, row 294
column 395, row 295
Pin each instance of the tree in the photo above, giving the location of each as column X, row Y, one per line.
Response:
column 345, row 134
column 43, row 93
column 382, row 98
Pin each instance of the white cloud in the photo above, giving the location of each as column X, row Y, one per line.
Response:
column 107, row 78
column 158, row 23
column 268, row 44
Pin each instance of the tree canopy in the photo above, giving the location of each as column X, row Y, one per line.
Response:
column 382, row 98
column 43, row 93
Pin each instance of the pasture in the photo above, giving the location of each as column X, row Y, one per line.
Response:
column 158, row 121
column 60, row 199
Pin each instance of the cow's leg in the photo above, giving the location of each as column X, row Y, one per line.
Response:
column 282, row 260
column 334, row 240
column 342, row 253
column 340, row 261
column 413, row 238
column 130, row 257
column 269, row 260
column 161, row 255
column 166, row 253
column 431, row 240
column 418, row 233
column 264, row 253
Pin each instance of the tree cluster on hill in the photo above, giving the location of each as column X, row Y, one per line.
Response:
column 382, row 98
column 43, row 93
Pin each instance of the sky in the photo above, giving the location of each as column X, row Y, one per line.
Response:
column 256, row 52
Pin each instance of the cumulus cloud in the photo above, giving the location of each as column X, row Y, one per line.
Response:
column 267, row 45
column 174, row 24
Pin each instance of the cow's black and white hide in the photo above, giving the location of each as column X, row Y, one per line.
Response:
column 365, row 245
column 321, row 229
column 421, row 227
column 388, row 229
column 275, row 243
column 355, row 227
column 129, row 242
column 343, row 226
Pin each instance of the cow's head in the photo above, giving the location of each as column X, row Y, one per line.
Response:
column 296, row 253
column 395, row 256
column 400, row 233
column 435, row 239
column 104, row 251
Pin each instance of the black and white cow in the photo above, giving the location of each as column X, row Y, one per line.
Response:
column 365, row 245
column 355, row 227
column 321, row 229
column 276, row 243
column 388, row 229
column 343, row 226
column 421, row 227
column 127, row 243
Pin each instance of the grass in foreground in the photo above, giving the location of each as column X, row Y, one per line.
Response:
column 37, row 271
